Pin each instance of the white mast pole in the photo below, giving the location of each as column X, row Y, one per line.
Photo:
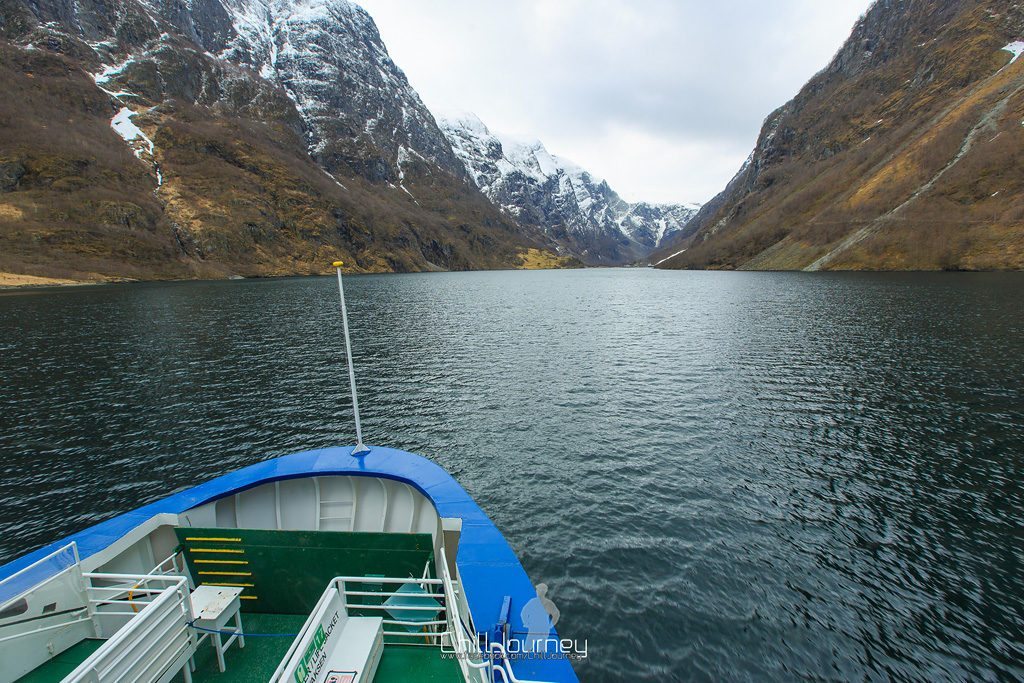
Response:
column 360, row 448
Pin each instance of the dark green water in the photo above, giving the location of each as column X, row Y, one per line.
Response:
column 721, row 476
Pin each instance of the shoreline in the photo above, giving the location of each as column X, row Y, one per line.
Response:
column 11, row 282
column 20, row 281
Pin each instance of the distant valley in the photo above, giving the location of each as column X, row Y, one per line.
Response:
column 569, row 204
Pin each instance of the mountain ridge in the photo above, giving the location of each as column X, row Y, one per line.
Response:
column 151, row 140
column 888, row 158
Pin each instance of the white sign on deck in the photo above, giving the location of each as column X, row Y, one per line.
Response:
column 308, row 663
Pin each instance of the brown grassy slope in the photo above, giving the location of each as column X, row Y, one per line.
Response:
column 74, row 201
column 904, row 154
column 244, row 193
column 539, row 259
column 240, row 193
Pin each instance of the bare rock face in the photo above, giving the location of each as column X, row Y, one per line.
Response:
column 575, row 208
column 11, row 173
column 358, row 106
column 902, row 153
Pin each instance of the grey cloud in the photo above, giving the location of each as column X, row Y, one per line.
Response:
column 573, row 73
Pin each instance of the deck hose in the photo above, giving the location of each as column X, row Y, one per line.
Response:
column 242, row 635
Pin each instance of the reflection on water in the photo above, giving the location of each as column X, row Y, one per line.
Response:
column 719, row 475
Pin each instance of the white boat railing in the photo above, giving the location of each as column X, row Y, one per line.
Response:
column 466, row 649
column 126, row 594
column 153, row 641
column 495, row 666
column 431, row 603
column 44, row 610
column 430, row 616
column 454, row 638
column 319, row 608
column 38, row 573
column 144, row 619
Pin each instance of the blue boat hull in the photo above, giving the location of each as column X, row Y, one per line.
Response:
column 490, row 571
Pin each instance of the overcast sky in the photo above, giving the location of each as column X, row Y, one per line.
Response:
column 663, row 98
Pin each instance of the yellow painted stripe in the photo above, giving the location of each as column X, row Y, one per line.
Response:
column 248, row 597
column 214, row 540
column 234, row 585
column 221, row 561
column 232, row 551
column 226, row 573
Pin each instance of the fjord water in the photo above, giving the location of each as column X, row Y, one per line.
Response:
column 719, row 475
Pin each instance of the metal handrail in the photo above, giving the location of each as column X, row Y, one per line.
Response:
column 505, row 669
column 445, row 605
column 135, row 587
column 74, row 549
column 324, row 598
column 433, row 636
column 389, row 595
column 174, row 570
column 387, row 579
column 139, row 623
column 24, row 570
column 465, row 648
column 494, row 661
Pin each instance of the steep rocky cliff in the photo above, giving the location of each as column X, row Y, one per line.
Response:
column 153, row 138
column 905, row 152
column 570, row 205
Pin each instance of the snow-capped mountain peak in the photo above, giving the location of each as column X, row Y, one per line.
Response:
column 568, row 202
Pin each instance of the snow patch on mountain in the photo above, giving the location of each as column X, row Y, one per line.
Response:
column 1016, row 48
column 124, row 126
column 111, row 70
column 139, row 142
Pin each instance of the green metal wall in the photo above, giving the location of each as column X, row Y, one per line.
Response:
column 285, row 572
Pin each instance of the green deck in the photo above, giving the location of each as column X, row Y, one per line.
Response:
column 261, row 656
column 284, row 573
column 401, row 663
column 258, row 659
column 63, row 664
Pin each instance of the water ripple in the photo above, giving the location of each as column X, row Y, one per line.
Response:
column 739, row 476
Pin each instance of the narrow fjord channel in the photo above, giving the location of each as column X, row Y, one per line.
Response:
column 720, row 476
